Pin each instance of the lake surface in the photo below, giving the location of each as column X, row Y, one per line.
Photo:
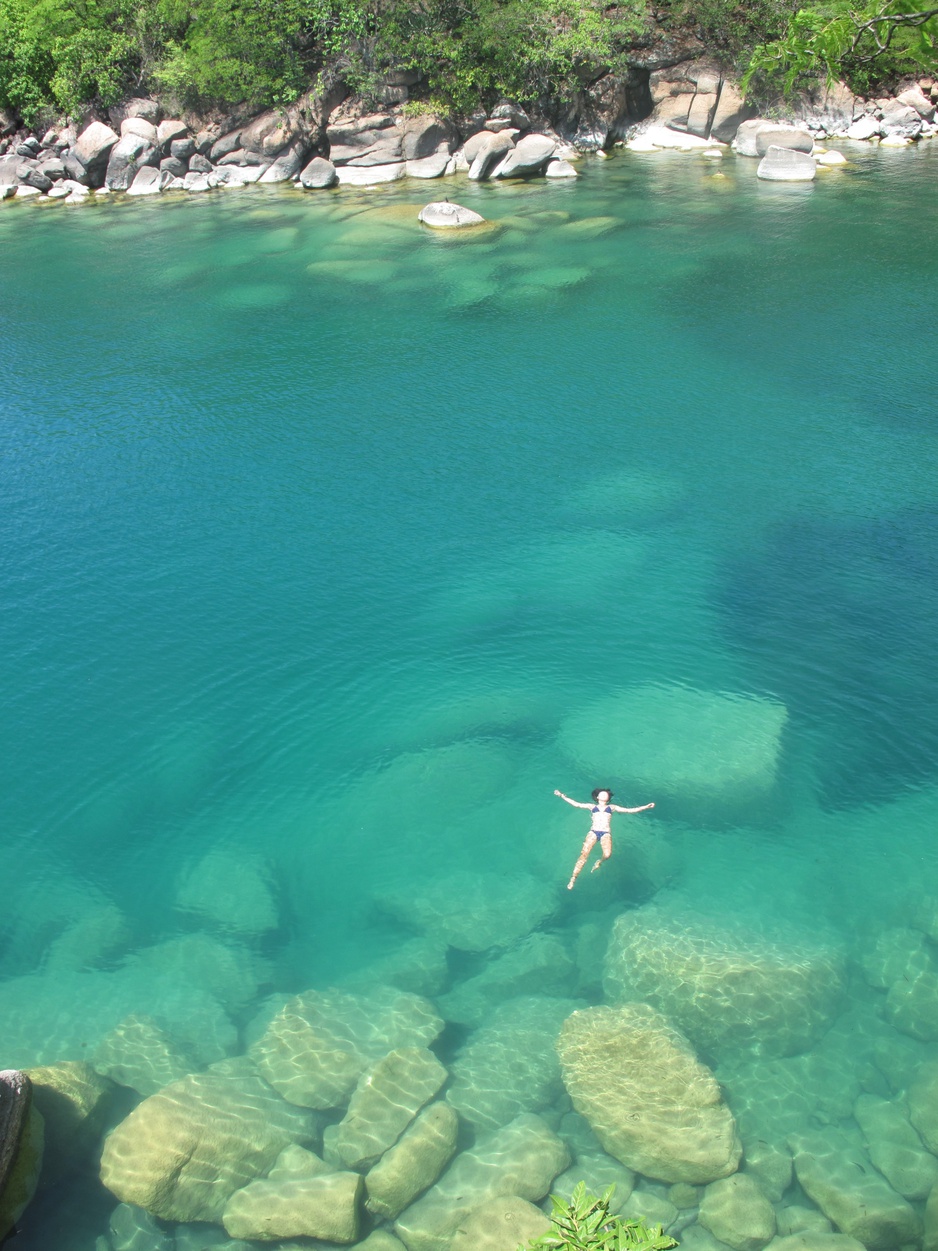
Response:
column 330, row 547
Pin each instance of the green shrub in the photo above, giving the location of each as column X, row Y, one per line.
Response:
column 586, row 1223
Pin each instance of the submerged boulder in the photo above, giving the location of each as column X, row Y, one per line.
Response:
column 232, row 892
column 736, row 1211
column 385, row 1101
column 725, row 987
column 443, row 215
column 647, row 1097
column 182, row 1153
column 414, row 1163
column 473, row 911
column 320, row 1043
column 287, row 1204
column 895, row 1148
column 786, row 165
column 139, row 1054
column 75, row 1103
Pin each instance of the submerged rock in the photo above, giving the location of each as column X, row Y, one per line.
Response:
column 320, row 1043
column 326, row 1206
column 385, row 1101
column 75, row 1103
column 414, row 1163
column 132, row 1229
column 785, row 165
column 540, row 965
column 726, row 988
column 521, row 1159
column 473, row 911
column 895, row 1148
column 737, row 1213
column 183, row 1152
column 233, row 891
column 647, row 1097
column 141, row 1055
column 442, row 215
column 501, row 1224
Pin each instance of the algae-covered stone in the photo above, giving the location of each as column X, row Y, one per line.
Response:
column 736, row 1211
column 232, row 891
column 74, row 1101
column 474, row 911
column 387, row 1098
column 510, row 1065
column 726, row 988
column 325, row 1207
column 414, row 1163
column 841, row 1180
column 520, row 1159
column 321, row 1042
column 141, row 1055
column 184, row 1151
column 501, row 1224
column 895, row 1148
column 650, row 1101
column 21, row 1142
column 706, row 752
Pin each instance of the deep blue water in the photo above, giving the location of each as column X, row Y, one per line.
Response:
column 318, row 529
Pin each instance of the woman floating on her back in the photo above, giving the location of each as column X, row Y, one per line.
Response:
column 600, row 832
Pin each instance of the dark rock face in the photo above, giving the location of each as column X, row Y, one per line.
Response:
column 20, row 1147
column 15, row 1099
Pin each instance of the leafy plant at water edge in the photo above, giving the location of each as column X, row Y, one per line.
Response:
column 585, row 1223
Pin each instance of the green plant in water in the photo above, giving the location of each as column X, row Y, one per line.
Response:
column 585, row 1223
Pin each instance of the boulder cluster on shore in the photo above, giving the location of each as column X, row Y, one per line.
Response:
column 138, row 151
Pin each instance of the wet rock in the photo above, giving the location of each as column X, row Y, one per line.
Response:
column 472, row 911
column 319, row 173
column 843, row 1183
column 895, row 1148
column 75, row 1103
column 796, row 1219
column 324, row 1207
column 183, row 1152
column 141, row 1055
column 712, row 755
column 521, row 1159
column 418, row 965
column 321, row 1042
column 648, row 1099
column 770, row 1164
column 414, row 1163
column 736, row 1211
column 129, row 155
column 785, row 165
column 923, row 1104
column 92, row 150
column 501, row 1224
column 510, row 1065
column 722, row 985
column 21, row 1145
column 811, row 1241
column 387, row 1098
column 230, row 890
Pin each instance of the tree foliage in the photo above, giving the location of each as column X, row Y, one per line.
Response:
column 586, row 1223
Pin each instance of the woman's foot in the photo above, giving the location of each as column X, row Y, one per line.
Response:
column 571, row 883
column 595, row 866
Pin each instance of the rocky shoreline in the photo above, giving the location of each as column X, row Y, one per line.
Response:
column 325, row 141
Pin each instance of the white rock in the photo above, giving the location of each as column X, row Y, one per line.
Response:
column 445, row 216
column 167, row 131
column 433, row 166
column 26, row 193
column 786, row 165
column 674, row 140
column 139, row 126
column 864, row 128
column 149, row 181
column 561, row 169
column 369, row 175
column 895, row 141
column 831, row 158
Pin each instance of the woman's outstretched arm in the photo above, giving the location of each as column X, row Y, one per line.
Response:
column 616, row 808
column 572, row 802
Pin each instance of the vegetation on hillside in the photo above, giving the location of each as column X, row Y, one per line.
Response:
column 58, row 55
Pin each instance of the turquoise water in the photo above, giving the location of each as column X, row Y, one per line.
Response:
column 330, row 547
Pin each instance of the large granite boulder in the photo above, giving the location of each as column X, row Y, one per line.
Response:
column 841, row 1180
column 473, row 911
column 529, row 156
column 286, row 1204
column 140, row 127
column 75, row 1103
column 730, row 112
column 364, row 141
column 755, row 137
column 183, row 1152
column 815, row 1240
column 414, row 1163
column 92, row 150
column 520, row 1159
column 725, row 987
column 132, row 1229
column 369, row 175
column 319, row 173
column 385, row 1101
column 21, row 1142
column 442, row 215
column 736, row 1211
column 490, row 152
column 901, row 120
column 149, row 181
column 502, row 1224
column 139, row 1054
column 287, row 165
column 647, row 1097
column 269, row 133
column 232, row 892
column 509, row 1065
column 894, row 1146
column 425, row 136
column 708, row 754
column 786, row 165
column 599, row 1171
column 320, row 1043
column 131, row 153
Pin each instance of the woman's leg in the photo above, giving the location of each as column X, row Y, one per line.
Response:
column 588, row 845
column 606, row 844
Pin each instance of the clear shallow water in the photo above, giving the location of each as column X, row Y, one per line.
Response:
column 317, row 529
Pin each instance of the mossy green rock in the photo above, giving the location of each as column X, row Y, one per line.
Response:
column 649, row 1100
column 74, row 1101
column 21, row 1144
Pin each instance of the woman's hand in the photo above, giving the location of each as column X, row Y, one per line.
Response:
column 560, row 794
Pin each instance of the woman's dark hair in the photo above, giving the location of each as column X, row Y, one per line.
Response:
column 599, row 790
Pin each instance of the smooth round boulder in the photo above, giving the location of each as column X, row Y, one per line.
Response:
column 319, row 173
column 442, row 215
column 737, row 1212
